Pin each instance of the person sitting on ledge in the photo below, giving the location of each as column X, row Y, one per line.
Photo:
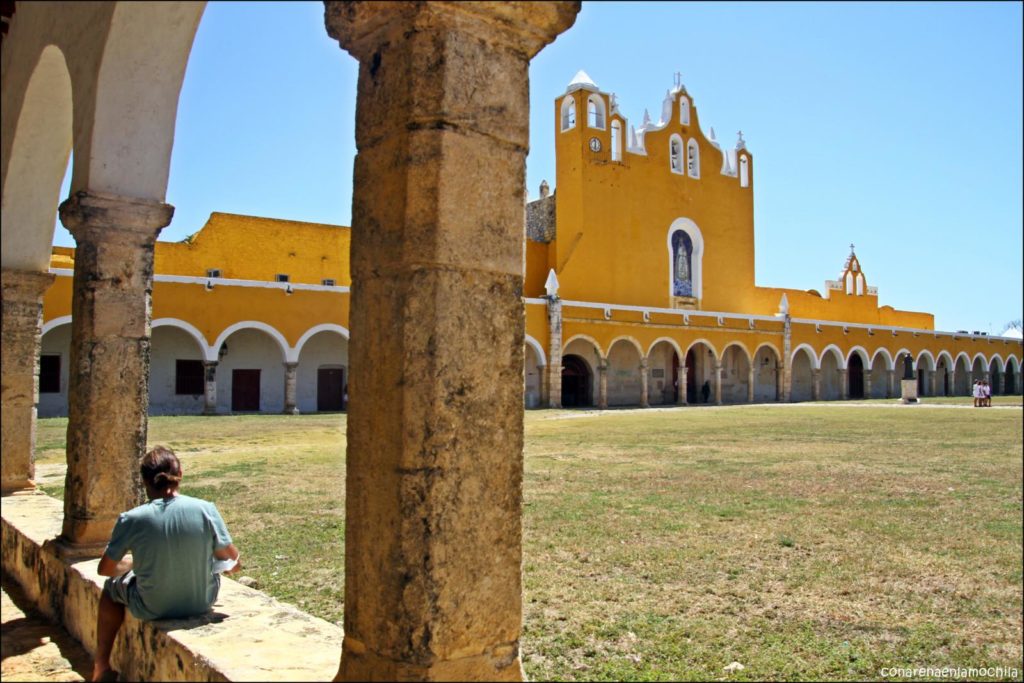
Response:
column 175, row 541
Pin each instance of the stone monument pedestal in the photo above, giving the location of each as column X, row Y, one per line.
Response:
column 908, row 389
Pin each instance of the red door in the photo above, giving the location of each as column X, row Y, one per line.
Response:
column 245, row 391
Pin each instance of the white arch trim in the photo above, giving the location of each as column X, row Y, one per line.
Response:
column 535, row 345
column 835, row 350
column 252, row 325
column 889, row 363
column 742, row 347
column 696, row 258
column 927, row 354
column 56, row 322
column 1001, row 365
column 980, row 356
column 944, row 355
column 585, row 337
column 896, row 356
column 706, row 343
column 671, row 342
column 1012, row 363
column 862, row 352
column 316, row 329
column 770, row 346
column 189, row 329
column 809, row 350
column 629, row 340
column 967, row 360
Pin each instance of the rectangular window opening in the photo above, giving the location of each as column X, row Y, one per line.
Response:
column 49, row 374
column 189, row 377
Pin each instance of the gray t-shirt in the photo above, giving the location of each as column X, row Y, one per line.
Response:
column 172, row 543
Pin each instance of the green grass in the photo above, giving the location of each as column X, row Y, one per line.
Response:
column 804, row 542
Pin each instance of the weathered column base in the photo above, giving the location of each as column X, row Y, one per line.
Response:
column 501, row 664
column 75, row 552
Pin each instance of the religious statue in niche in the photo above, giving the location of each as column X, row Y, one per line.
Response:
column 682, row 271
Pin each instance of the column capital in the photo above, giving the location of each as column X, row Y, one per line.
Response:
column 525, row 27
column 290, row 366
column 24, row 286
column 88, row 215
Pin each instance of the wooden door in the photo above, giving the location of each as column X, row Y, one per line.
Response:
column 245, row 391
column 330, row 389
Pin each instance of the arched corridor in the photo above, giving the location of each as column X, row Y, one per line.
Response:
column 802, row 377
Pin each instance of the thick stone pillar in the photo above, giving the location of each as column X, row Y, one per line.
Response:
column 645, row 401
column 718, row 383
column 108, row 393
column 435, row 428
column 554, row 353
column 602, row 384
column 210, row 387
column 867, row 384
column 542, row 381
column 291, row 372
column 780, row 385
column 681, row 380
column 815, row 384
column 22, row 330
column 890, row 384
column 750, row 384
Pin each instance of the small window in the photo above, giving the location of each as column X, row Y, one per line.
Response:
column 595, row 112
column 281, row 277
column 860, row 284
column 568, row 113
column 693, row 158
column 49, row 374
column 684, row 111
column 189, row 377
column 849, row 283
column 327, row 282
column 744, row 172
column 616, row 141
column 213, row 272
column 675, row 152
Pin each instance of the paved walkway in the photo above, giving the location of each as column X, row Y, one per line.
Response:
column 32, row 648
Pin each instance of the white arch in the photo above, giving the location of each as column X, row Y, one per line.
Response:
column 981, row 356
column 860, row 351
column 596, row 122
column 671, row 342
column 815, row 365
column 949, row 359
column 696, row 258
column 1001, row 365
column 706, row 343
column 616, row 140
column 36, row 162
column 676, row 162
column 56, row 322
column 967, row 360
column 744, row 171
column 535, row 345
column 767, row 345
column 316, row 329
column 742, row 347
column 568, row 113
column 253, row 325
column 835, row 350
column 889, row 363
column 684, row 110
column 927, row 354
column 629, row 340
column 191, row 330
column 896, row 356
column 1012, row 362
column 692, row 150
column 586, row 337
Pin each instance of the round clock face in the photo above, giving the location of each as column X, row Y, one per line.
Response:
column 595, row 145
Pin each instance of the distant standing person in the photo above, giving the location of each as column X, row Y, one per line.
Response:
column 174, row 540
column 976, row 392
column 986, row 393
column 705, row 390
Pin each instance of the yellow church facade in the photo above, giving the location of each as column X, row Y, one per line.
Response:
column 639, row 290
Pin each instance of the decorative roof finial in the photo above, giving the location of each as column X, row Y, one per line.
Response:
column 784, row 305
column 551, row 286
column 740, row 142
column 647, row 118
column 713, row 138
column 545, row 189
column 615, row 103
column 851, row 248
column 632, row 137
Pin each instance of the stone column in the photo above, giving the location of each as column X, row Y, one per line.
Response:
column 554, row 353
column 750, row 385
column 542, row 381
column 815, row 384
column 718, row 383
column 22, row 330
column 645, row 401
column 844, row 384
column 780, row 384
column 433, row 536
column 210, row 388
column 867, row 384
column 681, row 379
column 602, row 384
column 108, row 393
column 290, row 385
column 929, row 382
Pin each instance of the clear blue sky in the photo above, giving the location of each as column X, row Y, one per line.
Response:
column 893, row 126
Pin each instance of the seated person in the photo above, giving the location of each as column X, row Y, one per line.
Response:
column 174, row 540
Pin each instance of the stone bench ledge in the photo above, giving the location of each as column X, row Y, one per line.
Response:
column 248, row 636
